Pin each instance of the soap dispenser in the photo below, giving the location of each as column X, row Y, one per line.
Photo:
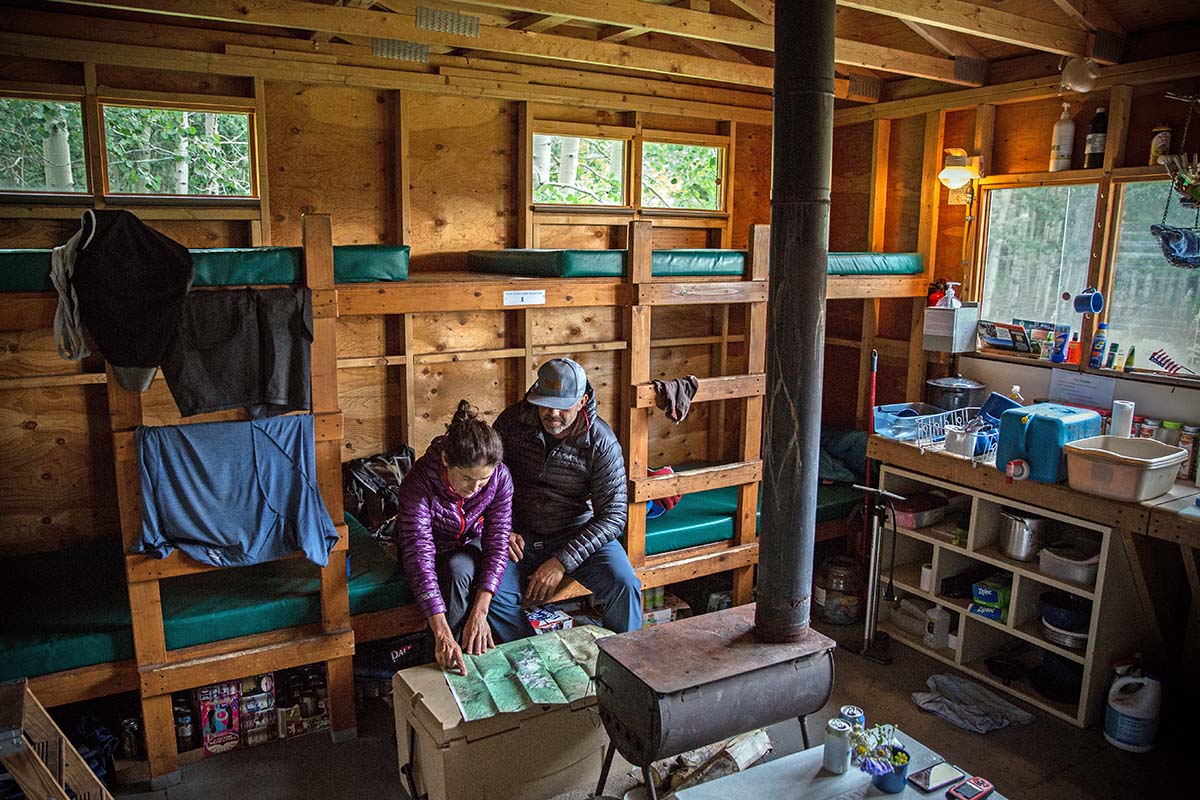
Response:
column 1063, row 141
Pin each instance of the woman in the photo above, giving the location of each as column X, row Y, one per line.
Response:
column 452, row 526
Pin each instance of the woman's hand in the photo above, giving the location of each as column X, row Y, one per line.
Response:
column 477, row 634
column 447, row 652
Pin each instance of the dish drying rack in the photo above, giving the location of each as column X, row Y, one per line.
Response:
column 931, row 434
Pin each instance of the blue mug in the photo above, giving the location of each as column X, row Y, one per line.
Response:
column 1089, row 301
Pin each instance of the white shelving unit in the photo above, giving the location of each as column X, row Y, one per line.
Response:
column 1117, row 626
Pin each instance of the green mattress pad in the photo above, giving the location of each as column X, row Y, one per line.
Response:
column 29, row 270
column 70, row 609
column 605, row 263
column 669, row 263
column 707, row 517
column 875, row 264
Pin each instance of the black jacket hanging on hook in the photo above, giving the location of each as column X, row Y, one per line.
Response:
column 131, row 281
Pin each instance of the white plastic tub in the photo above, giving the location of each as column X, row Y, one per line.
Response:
column 1123, row 469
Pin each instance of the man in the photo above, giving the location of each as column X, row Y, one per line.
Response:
column 569, row 506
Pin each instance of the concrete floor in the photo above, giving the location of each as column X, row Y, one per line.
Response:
column 1046, row 759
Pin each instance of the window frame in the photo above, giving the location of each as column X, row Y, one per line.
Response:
column 64, row 94
column 719, row 142
column 1101, row 270
column 222, row 105
column 586, row 131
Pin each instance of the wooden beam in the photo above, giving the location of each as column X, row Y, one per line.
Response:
column 1140, row 73
column 761, row 10
column 931, row 192
column 694, row 480
column 903, row 62
column 949, row 42
column 539, row 23
column 361, row 22
column 982, row 21
column 726, row 387
column 1091, row 15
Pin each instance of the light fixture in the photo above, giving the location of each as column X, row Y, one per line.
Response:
column 1078, row 75
column 960, row 168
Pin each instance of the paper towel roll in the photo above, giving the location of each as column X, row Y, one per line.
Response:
column 1122, row 418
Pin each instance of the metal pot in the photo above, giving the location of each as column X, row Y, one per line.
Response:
column 1022, row 537
column 953, row 393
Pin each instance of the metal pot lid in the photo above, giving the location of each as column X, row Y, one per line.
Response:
column 955, row 382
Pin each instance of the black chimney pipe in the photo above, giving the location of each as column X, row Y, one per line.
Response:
column 800, row 185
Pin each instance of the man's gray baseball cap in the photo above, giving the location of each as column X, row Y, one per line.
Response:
column 560, row 383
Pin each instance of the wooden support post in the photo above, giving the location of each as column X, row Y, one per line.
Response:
column 637, row 370
column 402, row 174
column 745, row 522
column 409, row 401
column 92, row 131
column 931, row 193
column 260, row 229
column 335, row 597
column 525, row 231
column 881, row 139
column 727, row 186
column 718, row 365
column 1191, row 643
column 982, row 146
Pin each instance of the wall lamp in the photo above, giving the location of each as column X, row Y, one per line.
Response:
column 960, row 170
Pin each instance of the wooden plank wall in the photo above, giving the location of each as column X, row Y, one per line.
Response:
column 333, row 150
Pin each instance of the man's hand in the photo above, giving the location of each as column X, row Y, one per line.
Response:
column 449, row 655
column 516, row 547
column 477, row 634
column 545, row 580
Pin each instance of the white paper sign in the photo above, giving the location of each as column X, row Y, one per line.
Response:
column 1080, row 389
column 525, row 297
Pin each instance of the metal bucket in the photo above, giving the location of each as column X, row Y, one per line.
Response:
column 1021, row 536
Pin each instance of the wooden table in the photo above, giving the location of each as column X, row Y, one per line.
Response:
column 801, row 775
column 1161, row 537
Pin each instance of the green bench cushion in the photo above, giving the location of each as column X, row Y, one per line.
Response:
column 29, row 270
column 605, row 263
column 71, row 609
column 875, row 264
column 707, row 517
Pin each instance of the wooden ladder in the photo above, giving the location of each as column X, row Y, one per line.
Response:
column 35, row 752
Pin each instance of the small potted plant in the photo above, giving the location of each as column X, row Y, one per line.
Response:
column 881, row 756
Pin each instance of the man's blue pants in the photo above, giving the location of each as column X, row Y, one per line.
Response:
column 606, row 573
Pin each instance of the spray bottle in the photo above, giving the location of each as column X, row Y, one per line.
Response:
column 1063, row 141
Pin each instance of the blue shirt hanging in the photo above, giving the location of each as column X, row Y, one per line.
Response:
column 233, row 493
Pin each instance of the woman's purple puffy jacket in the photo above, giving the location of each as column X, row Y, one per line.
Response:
column 433, row 519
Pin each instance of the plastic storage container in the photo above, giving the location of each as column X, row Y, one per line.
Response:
column 920, row 510
column 899, row 420
column 1123, row 469
column 1071, row 563
column 1037, row 434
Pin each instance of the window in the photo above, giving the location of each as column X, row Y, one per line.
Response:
column 573, row 170
column 166, row 151
column 1153, row 304
column 42, row 146
column 1037, row 247
column 681, row 176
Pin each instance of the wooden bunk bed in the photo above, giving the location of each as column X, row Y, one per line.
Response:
column 712, row 530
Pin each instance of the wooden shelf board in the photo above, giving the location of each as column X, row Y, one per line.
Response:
column 908, row 578
column 943, row 654
column 1029, row 569
column 937, row 534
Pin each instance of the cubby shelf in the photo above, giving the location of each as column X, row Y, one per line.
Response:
column 1113, row 616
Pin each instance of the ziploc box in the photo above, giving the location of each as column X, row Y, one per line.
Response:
column 996, row 591
column 1036, row 435
column 548, row 618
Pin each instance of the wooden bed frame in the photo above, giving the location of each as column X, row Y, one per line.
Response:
column 156, row 672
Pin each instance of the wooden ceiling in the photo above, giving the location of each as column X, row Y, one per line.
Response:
column 717, row 43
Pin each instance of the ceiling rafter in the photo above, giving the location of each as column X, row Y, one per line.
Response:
column 620, row 33
column 1091, row 15
column 761, row 10
column 356, row 22
column 539, row 23
column 983, row 21
column 951, row 43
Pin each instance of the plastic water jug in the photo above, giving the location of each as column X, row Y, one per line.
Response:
column 1131, row 718
column 1034, row 436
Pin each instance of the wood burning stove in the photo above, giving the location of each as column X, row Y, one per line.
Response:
column 672, row 688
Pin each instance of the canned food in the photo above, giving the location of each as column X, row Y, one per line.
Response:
column 1160, row 143
column 1149, row 429
column 853, row 714
column 1189, row 440
column 836, row 757
column 131, row 738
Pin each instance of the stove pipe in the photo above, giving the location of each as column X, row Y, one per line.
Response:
column 800, row 185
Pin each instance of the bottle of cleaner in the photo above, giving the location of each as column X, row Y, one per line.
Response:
column 1063, row 141
column 1097, row 136
column 1099, row 342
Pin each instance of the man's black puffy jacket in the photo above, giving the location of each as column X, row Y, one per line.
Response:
column 571, row 496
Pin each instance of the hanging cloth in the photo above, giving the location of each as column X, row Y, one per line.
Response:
column 1180, row 246
column 70, row 338
column 130, row 281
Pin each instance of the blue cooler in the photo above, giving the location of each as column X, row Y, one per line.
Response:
column 1036, row 435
